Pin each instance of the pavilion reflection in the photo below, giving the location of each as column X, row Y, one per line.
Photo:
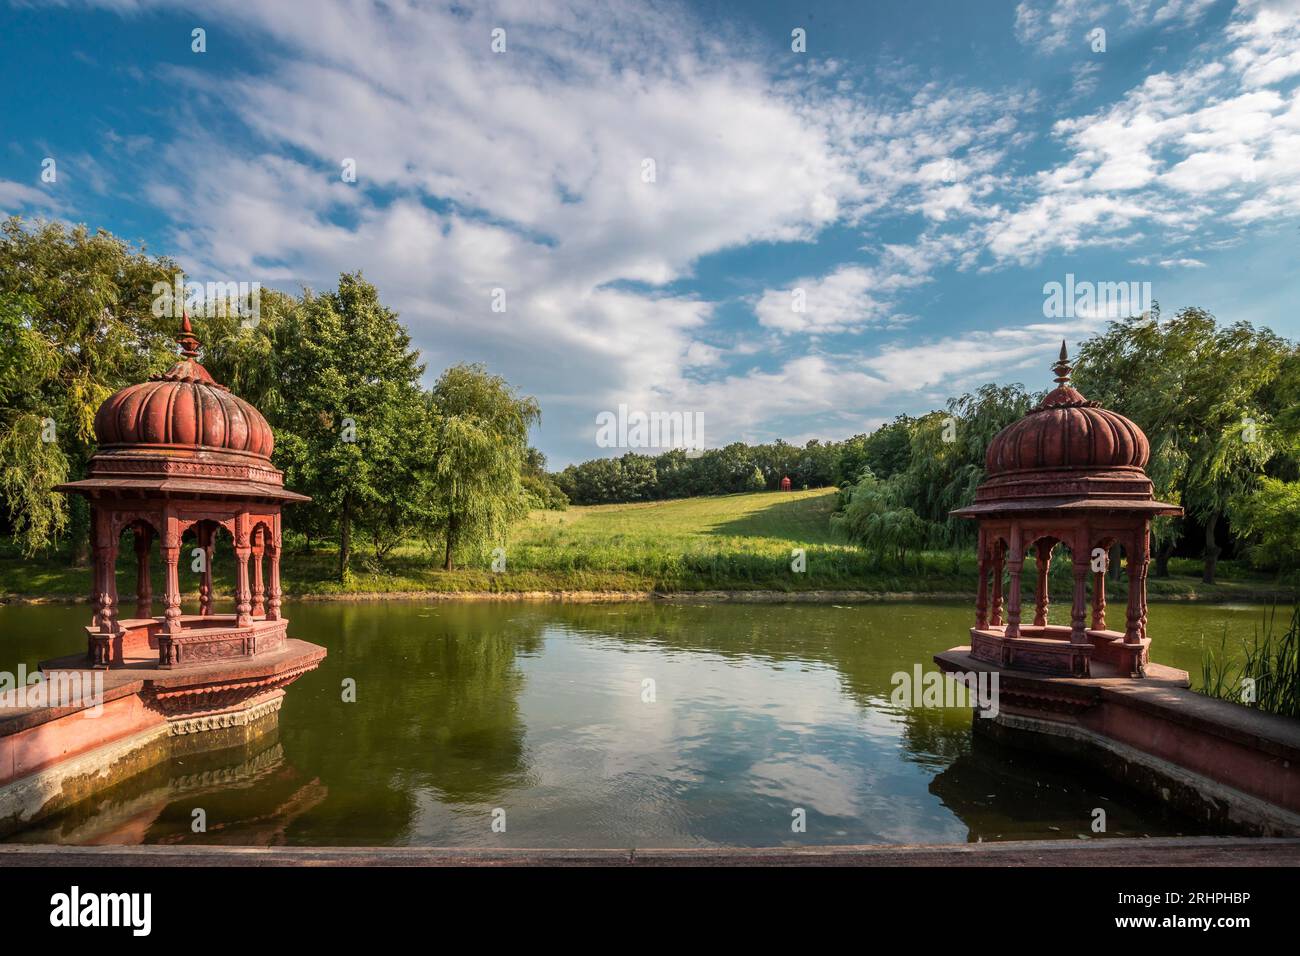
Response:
column 1002, row 792
column 233, row 786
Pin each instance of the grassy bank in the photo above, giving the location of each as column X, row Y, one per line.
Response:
column 728, row 543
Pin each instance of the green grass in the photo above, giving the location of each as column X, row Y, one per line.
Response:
column 729, row 542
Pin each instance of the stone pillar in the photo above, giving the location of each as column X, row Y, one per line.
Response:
column 206, row 533
column 1042, row 599
column 143, row 586
column 105, row 552
column 171, row 555
column 1015, row 564
column 982, row 598
column 93, row 597
column 1079, row 605
column 1139, row 556
column 99, row 648
column 995, row 615
column 274, row 595
column 1099, row 594
column 243, row 595
column 259, row 589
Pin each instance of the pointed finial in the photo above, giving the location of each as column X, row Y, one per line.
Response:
column 1062, row 367
column 186, row 340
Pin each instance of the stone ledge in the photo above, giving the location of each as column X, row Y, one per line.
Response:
column 1154, row 851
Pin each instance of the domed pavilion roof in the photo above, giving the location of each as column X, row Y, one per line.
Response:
column 1067, row 453
column 183, row 408
column 181, row 432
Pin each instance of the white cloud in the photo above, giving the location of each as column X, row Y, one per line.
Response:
column 853, row 297
column 1057, row 24
column 15, row 197
column 524, row 171
column 1214, row 131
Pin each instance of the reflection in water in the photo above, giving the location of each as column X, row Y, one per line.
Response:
column 250, row 793
column 546, row 712
column 1002, row 793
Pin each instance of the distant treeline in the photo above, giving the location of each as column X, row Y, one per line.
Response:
column 719, row 471
column 1220, row 405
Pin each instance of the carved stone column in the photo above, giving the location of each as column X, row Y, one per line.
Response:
column 274, row 594
column 103, row 590
column 105, row 551
column 982, row 598
column 1042, row 598
column 171, row 555
column 206, row 533
column 1099, row 594
column 1138, row 559
column 1015, row 564
column 243, row 595
column 1080, row 552
column 143, row 586
column 999, row 555
column 259, row 589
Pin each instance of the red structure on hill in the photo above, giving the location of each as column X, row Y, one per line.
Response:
column 1069, row 473
column 785, row 484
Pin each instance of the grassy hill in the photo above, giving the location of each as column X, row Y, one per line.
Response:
column 728, row 543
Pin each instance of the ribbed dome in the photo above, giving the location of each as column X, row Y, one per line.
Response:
column 183, row 407
column 1066, row 431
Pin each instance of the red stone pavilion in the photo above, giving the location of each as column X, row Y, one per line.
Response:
column 181, row 455
column 1069, row 473
column 182, row 464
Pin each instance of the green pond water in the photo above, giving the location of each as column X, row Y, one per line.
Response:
column 539, row 712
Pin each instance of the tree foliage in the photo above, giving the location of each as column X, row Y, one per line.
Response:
column 480, row 446
column 77, row 324
column 1205, row 396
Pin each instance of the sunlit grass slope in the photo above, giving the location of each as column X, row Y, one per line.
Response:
column 729, row 542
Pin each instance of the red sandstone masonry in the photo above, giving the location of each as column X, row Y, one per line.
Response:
column 1239, row 748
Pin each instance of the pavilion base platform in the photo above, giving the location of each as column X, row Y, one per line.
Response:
column 1233, row 767
column 192, row 639
column 131, row 717
column 1051, row 649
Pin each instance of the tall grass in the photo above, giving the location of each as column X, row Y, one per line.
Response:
column 1268, row 677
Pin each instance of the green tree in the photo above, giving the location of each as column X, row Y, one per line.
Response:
column 480, row 442
column 1204, row 396
column 874, row 517
column 31, row 464
column 79, row 324
column 1269, row 517
column 351, row 382
column 540, row 488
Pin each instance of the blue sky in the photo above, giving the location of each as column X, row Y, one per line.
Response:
column 918, row 174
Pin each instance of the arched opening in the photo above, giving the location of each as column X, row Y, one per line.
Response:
column 139, row 540
column 206, row 565
column 263, row 546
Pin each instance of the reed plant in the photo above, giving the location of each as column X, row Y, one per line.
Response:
column 1267, row 676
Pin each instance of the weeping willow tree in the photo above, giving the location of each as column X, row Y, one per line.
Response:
column 1204, row 395
column 874, row 517
column 31, row 459
column 76, row 324
column 933, row 464
column 480, row 443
